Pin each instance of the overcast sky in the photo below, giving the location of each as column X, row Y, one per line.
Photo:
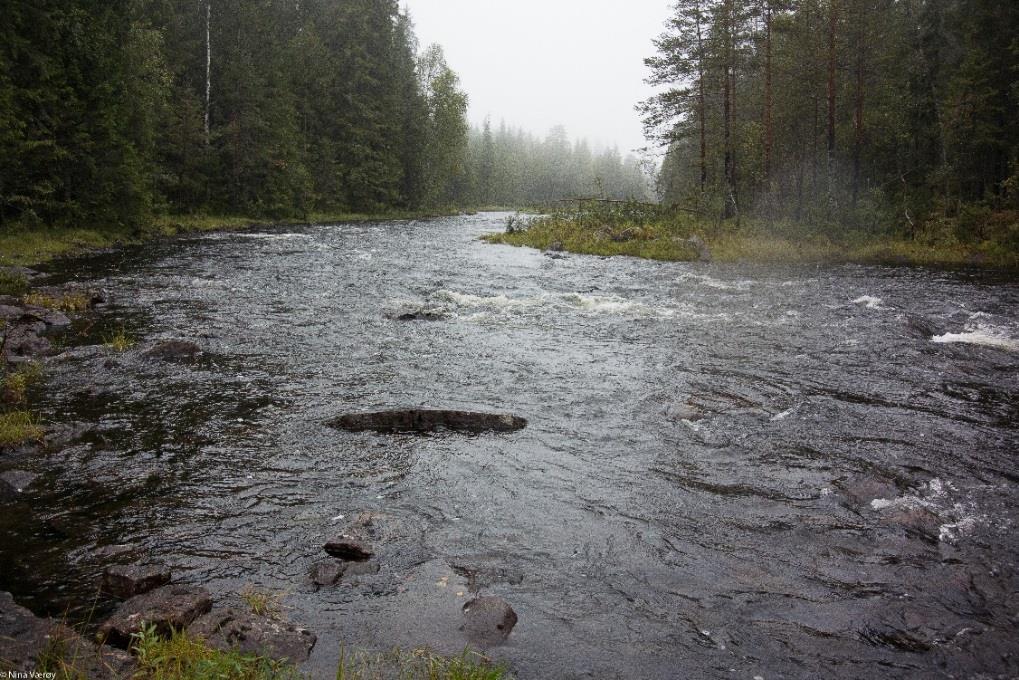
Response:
column 540, row 63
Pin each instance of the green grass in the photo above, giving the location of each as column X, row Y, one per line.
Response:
column 15, row 384
column 420, row 664
column 262, row 603
column 12, row 283
column 18, row 427
column 119, row 341
column 65, row 302
column 25, row 247
column 184, row 657
column 663, row 237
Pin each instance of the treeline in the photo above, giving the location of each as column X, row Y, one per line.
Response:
column 111, row 111
column 510, row 167
column 866, row 113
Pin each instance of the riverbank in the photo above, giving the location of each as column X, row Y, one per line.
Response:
column 25, row 247
column 679, row 238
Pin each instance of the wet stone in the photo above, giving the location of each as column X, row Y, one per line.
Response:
column 862, row 490
column 25, row 639
column 168, row 608
column 127, row 581
column 349, row 548
column 232, row 630
column 488, row 621
column 426, row 420
column 14, row 482
column 325, row 574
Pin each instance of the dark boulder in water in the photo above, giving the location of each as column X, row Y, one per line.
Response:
column 425, row 420
column 349, row 548
column 488, row 621
column 174, row 350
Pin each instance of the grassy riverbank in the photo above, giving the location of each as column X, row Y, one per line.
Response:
column 660, row 235
column 23, row 246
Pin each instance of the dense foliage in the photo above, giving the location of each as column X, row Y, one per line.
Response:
column 864, row 114
column 111, row 111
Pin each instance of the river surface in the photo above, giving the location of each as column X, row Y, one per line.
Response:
column 728, row 472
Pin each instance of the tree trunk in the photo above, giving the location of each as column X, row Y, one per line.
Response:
column 858, row 118
column 702, row 104
column 832, row 59
column 208, row 65
column 769, row 133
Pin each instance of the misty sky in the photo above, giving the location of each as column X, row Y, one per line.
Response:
column 539, row 63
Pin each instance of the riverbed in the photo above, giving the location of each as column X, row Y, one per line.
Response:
column 729, row 471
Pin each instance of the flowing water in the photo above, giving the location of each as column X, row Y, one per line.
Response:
column 728, row 472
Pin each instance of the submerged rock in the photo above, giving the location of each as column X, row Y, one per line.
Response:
column 420, row 315
column 862, row 490
column 233, row 630
column 127, row 581
column 23, row 343
column 26, row 641
column 14, row 482
column 425, row 420
column 168, row 608
column 174, row 350
column 328, row 573
column 488, row 621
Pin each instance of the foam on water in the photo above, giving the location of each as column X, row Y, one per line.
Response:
column 870, row 302
column 588, row 304
column 718, row 284
column 977, row 332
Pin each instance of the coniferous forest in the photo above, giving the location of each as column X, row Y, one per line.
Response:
column 113, row 112
column 880, row 115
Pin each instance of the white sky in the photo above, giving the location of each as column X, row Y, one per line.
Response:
column 540, row 63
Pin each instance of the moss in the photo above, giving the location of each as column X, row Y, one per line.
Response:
column 17, row 428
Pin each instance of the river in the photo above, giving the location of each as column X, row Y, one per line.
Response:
column 730, row 471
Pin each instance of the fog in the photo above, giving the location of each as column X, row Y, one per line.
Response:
column 536, row 64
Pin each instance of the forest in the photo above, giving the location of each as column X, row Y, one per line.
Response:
column 889, row 116
column 112, row 113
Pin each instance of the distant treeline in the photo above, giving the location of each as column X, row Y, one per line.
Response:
column 511, row 167
column 859, row 113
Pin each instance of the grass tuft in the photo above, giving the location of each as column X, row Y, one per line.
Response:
column 262, row 603
column 120, row 341
column 18, row 428
column 14, row 386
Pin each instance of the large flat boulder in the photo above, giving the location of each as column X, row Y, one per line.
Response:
column 233, row 630
column 27, row 640
column 168, row 608
column 428, row 420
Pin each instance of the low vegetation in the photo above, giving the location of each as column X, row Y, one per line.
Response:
column 18, row 427
column 15, row 384
column 64, row 302
column 185, row 657
column 119, row 341
column 11, row 283
column 420, row 664
column 262, row 603
column 654, row 232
